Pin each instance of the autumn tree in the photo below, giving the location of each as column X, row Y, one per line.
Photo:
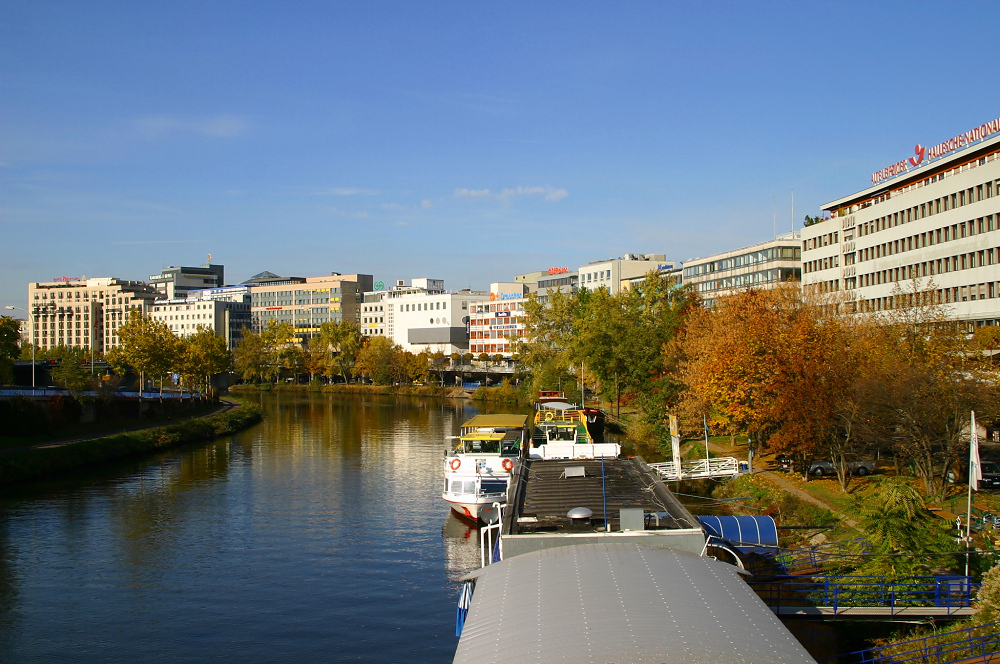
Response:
column 546, row 349
column 252, row 358
column 379, row 360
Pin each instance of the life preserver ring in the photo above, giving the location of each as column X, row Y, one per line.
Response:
column 507, row 464
column 549, row 416
column 455, row 463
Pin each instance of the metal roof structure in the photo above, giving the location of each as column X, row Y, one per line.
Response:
column 496, row 420
column 613, row 602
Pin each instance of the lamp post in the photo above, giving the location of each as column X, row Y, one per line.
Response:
column 31, row 340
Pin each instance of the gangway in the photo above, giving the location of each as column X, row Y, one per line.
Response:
column 972, row 645
column 867, row 596
column 698, row 468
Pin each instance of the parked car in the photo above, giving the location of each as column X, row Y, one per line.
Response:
column 784, row 463
column 859, row 467
column 991, row 475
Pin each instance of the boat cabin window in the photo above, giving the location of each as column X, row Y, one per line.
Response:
column 567, row 434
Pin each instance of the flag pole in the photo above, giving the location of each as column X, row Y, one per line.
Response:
column 975, row 474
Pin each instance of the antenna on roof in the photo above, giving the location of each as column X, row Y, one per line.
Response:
column 774, row 204
column 793, row 210
column 210, row 259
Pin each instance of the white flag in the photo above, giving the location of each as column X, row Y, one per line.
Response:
column 975, row 467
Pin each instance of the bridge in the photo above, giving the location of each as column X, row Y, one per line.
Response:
column 972, row 645
column 698, row 468
column 857, row 597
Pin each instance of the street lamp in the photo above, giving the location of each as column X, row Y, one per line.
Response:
column 31, row 340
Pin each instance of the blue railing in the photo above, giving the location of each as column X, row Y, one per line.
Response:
column 973, row 644
column 839, row 592
column 809, row 558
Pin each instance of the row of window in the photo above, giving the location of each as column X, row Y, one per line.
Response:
column 496, row 334
column 744, row 260
column 987, row 290
column 774, row 275
column 935, row 206
column 823, row 240
column 821, row 264
column 489, row 348
column 484, row 307
column 425, row 306
column 930, row 238
column 966, row 261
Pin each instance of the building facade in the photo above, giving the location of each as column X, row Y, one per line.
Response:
column 225, row 316
column 930, row 225
column 306, row 303
column 610, row 273
column 176, row 282
column 763, row 265
column 497, row 324
column 84, row 313
column 424, row 316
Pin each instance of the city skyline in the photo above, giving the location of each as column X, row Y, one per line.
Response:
column 468, row 144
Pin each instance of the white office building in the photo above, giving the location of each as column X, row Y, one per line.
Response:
column 424, row 316
column 610, row 273
column 933, row 218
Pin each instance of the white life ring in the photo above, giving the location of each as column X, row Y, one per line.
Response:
column 507, row 464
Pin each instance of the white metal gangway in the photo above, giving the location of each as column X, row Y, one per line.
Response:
column 698, row 468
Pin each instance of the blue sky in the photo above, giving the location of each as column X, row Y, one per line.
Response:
column 464, row 141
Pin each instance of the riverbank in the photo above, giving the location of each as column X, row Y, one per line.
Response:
column 33, row 463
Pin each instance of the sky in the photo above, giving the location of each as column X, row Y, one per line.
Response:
column 463, row 141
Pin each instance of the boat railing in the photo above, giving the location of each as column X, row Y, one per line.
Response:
column 489, row 538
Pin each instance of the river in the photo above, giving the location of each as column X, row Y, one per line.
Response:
column 318, row 535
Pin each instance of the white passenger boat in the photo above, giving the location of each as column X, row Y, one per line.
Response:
column 477, row 471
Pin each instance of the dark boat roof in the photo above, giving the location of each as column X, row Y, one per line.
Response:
column 551, row 488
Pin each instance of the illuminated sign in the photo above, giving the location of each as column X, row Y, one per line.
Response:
column 558, row 270
column 503, row 314
column 921, row 152
column 506, row 296
column 379, row 285
column 67, row 279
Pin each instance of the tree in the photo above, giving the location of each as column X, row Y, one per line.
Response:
column 809, row 221
column 546, row 348
column 70, row 372
column 205, row 355
column 10, row 341
column 252, row 358
column 437, row 362
column 378, row 360
column 148, row 346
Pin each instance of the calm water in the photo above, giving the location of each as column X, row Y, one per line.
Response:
column 319, row 535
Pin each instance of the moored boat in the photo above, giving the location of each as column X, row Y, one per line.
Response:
column 566, row 431
column 477, row 471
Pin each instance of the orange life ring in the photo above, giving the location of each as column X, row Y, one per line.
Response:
column 507, row 464
column 455, row 463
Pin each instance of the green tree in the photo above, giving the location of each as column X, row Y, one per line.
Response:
column 10, row 341
column 148, row 346
column 338, row 344
column 546, row 350
column 252, row 359
column 70, row 370
column 205, row 355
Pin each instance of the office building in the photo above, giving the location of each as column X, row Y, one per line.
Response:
column 497, row 324
column 610, row 273
column 763, row 265
column 84, row 313
column 176, row 282
column 929, row 223
column 306, row 302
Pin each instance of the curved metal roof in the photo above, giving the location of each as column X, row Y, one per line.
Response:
column 620, row 603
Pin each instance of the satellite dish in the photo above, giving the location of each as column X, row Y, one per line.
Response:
column 580, row 513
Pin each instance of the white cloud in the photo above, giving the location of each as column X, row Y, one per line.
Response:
column 219, row 126
column 337, row 212
column 426, row 204
column 471, row 193
column 343, row 191
column 547, row 192
column 393, row 206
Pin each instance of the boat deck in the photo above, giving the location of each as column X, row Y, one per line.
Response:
column 548, row 489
